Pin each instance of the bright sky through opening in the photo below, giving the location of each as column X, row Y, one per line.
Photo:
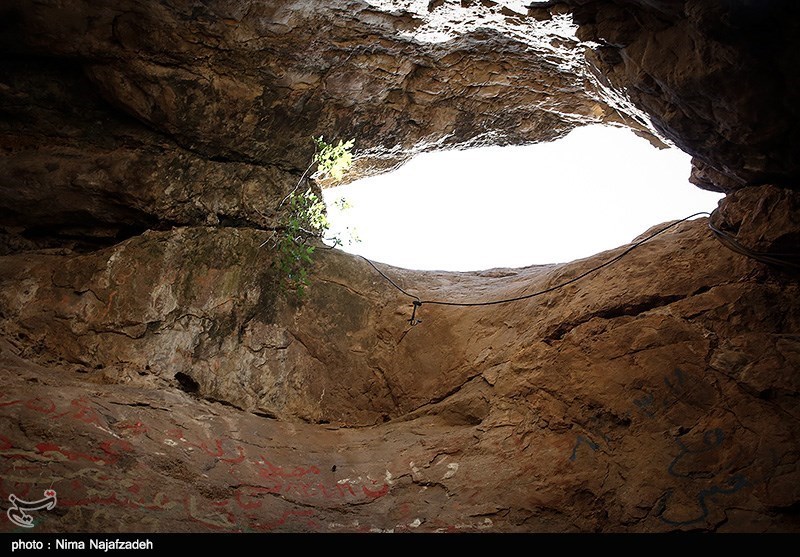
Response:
column 596, row 189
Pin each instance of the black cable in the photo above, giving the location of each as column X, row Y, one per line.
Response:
column 786, row 260
column 420, row 302
column 391, row 281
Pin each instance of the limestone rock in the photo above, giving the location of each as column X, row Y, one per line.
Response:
column 719, row 79
column 152, row 373
column 167, row 114
column 657, row 394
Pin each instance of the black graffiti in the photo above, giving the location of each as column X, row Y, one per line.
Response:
column 586, row 441
column 676, row 385
column 711, row 440
column 680, row 380
column 735, row 484
column 644, row 403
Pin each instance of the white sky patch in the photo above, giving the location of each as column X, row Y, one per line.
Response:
column 450, row 20
column 596, row 189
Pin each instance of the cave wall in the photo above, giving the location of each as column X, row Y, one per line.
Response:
column 133, row 115
column 155, row 376
column 719, row 79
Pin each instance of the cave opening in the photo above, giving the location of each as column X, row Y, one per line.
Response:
column 595, row 189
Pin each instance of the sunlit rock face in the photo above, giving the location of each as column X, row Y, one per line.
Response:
column 157, row 379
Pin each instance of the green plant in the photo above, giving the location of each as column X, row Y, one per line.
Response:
column 333, row 160
column 306, row 218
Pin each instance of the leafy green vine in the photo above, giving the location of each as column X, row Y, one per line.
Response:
column 306, row 218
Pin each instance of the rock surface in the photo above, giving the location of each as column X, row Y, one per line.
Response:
column 152, row 374
column 719, row 79
column 170, row 113
column 657, row 394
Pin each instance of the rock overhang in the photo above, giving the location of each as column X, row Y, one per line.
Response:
column 673, row 374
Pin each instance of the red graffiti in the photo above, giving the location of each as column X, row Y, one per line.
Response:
column 212, row 448
column 82, row 411
column 106, row 446
column 117, row 499
column 44, row 448
column 238, row 459
column 269, row 470
column 43, row 406
column 299, row 482
column 375, row 494
column 114, row 500
column 219, row 451
column 111, row 500
column 136, row 429
column 189, row 504
column 107, row 308
column 247, row 505
column 300, row 488
column 325, row 493
column 10, row 403
column 80, row 408
column 342, row 487
column 175, row 434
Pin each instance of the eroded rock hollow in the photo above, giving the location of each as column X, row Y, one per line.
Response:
column 154, row 376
